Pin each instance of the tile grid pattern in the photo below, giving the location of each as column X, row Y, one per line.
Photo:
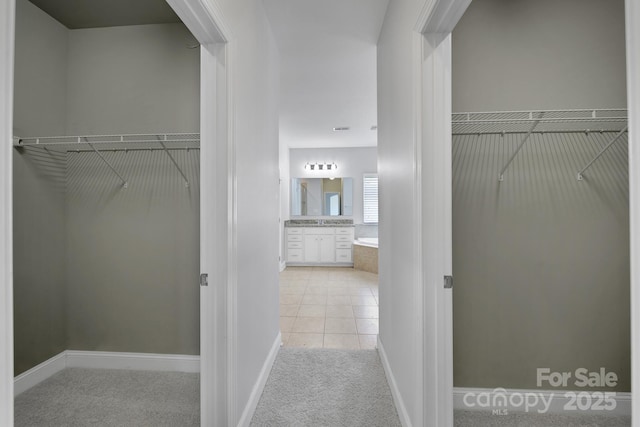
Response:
column 328, row 307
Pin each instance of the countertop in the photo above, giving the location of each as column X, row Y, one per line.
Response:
column 319, row 223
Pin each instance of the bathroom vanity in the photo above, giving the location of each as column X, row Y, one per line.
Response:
column 319, row 242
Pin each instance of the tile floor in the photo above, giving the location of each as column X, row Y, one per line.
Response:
column 328, row 307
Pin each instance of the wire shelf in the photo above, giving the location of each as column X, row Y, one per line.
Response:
column 133, row 142
column 99, row 144
column 598, row 120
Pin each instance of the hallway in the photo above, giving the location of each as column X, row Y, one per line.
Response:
column 322, row 387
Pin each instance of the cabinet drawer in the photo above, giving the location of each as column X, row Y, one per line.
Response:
column 344, row 230
column 320, row 230
column 294, row 238
column 343, row 238
column 343, row 245
column 294, row 230
column 343, row 255
column 294, row 245
column 294, row 255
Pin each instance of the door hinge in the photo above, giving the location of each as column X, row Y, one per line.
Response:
column 204, row 279
column 448, row 282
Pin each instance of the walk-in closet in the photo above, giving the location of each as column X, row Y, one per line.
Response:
column 106, row 214
column 540, row 195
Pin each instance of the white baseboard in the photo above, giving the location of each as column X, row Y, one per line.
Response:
column 133, row 361
column 405, row 420
column 105, row 360
column 39, row 373
column 258, row 387
column 558, row 403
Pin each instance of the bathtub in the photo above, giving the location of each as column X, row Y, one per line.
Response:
column 367, row 241
column 365, row 254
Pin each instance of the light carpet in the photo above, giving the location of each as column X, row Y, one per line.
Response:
column 486, row 419
column 324, row 387
column 93, row 397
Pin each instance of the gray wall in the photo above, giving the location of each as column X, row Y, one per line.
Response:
column 541, row 261
column 135, row 79
column 549, row 54
column 98, row 267
column 38, row 189
column 133, row 255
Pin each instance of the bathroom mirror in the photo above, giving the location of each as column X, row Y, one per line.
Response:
column 321, row 196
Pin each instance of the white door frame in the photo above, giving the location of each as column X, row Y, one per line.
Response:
column 218, row 210
column 432, row 83
column 432, row 121
column 7, row 35
column 632, row 17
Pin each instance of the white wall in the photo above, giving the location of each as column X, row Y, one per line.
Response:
column 396, row 166
column 352, row 163
column 285, row 195
column 255, row 90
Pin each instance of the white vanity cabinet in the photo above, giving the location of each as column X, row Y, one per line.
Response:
column 319, row 245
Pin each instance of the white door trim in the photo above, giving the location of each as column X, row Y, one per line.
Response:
column 217, row 211
column 632, row 16
column 432, row 133
column 7, row 35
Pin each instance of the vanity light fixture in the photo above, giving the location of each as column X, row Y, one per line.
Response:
column 321, row 166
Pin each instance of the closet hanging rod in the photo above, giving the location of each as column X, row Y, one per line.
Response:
column 515, row 153
column 604, row 149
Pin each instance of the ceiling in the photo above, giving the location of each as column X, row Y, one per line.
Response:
column 328, row 70
column 327, row 59
column 76, row 14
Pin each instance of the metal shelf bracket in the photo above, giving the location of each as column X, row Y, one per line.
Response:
column 524, row 141
column 604, row 149
column 125, row 184
column 164, row 147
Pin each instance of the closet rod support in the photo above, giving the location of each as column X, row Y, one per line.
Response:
column 124, row 181
column 604, row 149
column 164, row 147
column 524, row 141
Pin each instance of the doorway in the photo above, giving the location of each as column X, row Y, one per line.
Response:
column 209, row 32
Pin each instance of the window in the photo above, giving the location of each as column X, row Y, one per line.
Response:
column 370, row 198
